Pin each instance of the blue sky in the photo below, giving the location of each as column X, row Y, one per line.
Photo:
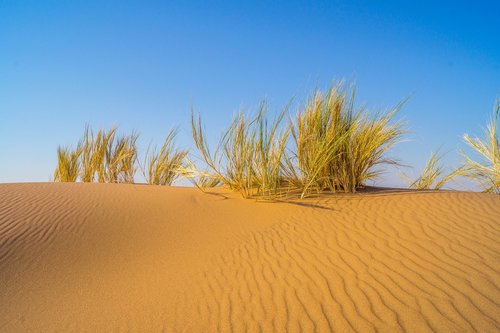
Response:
column 143, row 64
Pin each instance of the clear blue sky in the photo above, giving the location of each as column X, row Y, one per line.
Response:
column 143, row 64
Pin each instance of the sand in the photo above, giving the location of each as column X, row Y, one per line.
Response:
column 136, row 258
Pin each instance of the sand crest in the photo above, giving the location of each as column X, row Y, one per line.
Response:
column 102, row 257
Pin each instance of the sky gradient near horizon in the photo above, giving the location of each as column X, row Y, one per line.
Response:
column 143, row 65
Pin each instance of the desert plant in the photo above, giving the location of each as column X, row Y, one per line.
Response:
column 68, row 164
column 486, row 170
column 206, row 181
column 201, row 179
column 120, row 159
column 249, row 155
column 94, row 151
column 99, row 157
column 336, row 147
column 433, row 175
column 269, row 152
column 87, row 170
column 165, row 166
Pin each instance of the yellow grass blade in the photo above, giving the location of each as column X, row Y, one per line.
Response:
column 433, row 175
column 68, row 164
column 166, row 165
column 486, row 170
column 336, row 147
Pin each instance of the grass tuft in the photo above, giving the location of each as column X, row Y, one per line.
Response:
column 333, row 147
column 337, row 147
column 120, row 159
column 100, row 157
column 68, row 164
column 329, row 146
column 165, row 166
column 433, row 175
column 249, row 155
column 486, row 169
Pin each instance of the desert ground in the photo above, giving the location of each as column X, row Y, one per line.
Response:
column 78, row 257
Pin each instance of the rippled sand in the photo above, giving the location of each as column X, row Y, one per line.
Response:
column 101, row 257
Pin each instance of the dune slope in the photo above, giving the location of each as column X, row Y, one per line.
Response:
column 101, row 257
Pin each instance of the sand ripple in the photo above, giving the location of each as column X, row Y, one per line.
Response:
column 90, row 257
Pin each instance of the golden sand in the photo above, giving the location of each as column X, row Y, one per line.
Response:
column 103, row 258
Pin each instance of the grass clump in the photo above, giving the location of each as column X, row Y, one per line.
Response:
column 94, row 151
column 330, row 145
column 486, row 169
column 337, row 147
column 433, row 175
column 205, row 181
column 249, row 155
column 201, row 179
column 165, row 166
column 120, row 159
column 68, row 164
column 102, row 157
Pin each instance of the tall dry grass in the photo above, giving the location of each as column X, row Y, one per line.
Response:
column 333, row 147
column 205, row 180
column 433, row 176
column 202, row 179
column 120, row 159
column 329, row 146
column 485, row 168
column 100, row 157
column 68, row 164
column 163, row 167
column 248, row 157
column 337, row 147
column 94, row 151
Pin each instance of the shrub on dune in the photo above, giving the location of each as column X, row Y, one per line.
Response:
column 433, row 175
column 120, row 159
column 202, row 179
column 335, row 146
column 486, row 169
column 205, row 181
column 271, row 141
column 68, row 164
column 94, row 151
column 249, row 155
column 99, row 157
column 165, row 166
column 329, row 146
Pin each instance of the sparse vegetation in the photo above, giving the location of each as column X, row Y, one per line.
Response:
column 433, row 175
column 335, row 146
column 68, row 164
column 248, row 157
column 205, row 181
column 121, row 156
column 485, row 170
column 100, row 157
column 331, row 145
column 165, row 166
column 94, row 149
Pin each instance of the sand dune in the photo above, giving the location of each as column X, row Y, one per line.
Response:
column 100, row 257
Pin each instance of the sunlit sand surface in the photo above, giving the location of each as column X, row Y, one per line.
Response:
column 106, row 258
